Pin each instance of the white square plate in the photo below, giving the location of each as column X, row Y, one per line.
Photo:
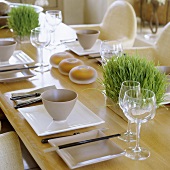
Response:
column 89, row 153
column 18, row 58
column 43, row 124
column 76, row 48
column 11, row 76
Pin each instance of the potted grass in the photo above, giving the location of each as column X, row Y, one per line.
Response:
column 131, row 68
column 21, row 21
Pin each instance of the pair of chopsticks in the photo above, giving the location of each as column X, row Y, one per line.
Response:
column 22, row 68
column 80, row 143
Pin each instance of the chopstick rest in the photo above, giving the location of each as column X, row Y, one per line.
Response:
column 80, row 143
column 45, row 140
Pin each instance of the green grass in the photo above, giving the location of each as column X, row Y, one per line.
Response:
column 133, row 68
column 22, row 19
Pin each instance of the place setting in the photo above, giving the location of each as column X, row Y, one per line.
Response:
column 14, row 64
column 46, row 119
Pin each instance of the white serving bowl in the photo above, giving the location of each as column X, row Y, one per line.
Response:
column 59, row 102
column 6, row 50
column 87, row 38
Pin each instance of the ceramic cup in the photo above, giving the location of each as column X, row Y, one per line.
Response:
column 7, row 49
column 59, row 103
column 87, row 38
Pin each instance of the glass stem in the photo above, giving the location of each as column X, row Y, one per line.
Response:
column 138, row 126
column 41, row 57
column 129, row 127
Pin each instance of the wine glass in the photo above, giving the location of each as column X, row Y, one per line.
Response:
column 139, row 107
column 53, row 18
column 40, row 38
column 127, row 136
column 110, row 49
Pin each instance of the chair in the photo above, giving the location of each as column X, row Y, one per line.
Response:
column 10, row 152
column 119, row 23
column 159, row 52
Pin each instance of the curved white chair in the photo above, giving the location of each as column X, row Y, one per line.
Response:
column 10, row 152
column 159, row 52
column 119, row 23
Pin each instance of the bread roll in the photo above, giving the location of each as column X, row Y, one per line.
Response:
column 82, row 73
column 56, row 58
column 67, row 64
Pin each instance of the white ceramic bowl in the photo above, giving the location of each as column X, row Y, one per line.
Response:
column 6, row 50
column 87, row 38
column 59, row 102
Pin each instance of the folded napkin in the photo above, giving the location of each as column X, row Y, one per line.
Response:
column 30, row 99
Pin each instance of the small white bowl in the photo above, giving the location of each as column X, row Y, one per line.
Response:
column 6, row 50
column 164, row 69
column 59, row 103
column 87, row 38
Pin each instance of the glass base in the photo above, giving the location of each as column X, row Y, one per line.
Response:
column 128, row 137
column 43, row 68
column 137, row 154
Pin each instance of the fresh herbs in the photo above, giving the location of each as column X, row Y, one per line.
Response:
column 22, row 20
column 133, row 68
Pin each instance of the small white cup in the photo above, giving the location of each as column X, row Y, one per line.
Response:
column 6, row 50
column 59, row 102
column 87, row 38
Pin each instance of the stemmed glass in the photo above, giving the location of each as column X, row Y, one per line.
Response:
column 110, row 49
column 40, row 38
column 139, row 107
column 127, row 136
column 53, row 18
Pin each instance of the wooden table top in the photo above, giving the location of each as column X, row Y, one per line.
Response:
column 155, row 134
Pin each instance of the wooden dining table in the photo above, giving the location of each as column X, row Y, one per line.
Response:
column 155, row 134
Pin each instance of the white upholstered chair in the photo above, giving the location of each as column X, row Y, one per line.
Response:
column 159, row 52
column 10, row 152
column 119, row 23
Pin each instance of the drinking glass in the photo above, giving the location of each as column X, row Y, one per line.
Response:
column 127, row 136
column 53, row 18
column 110, row 49
column 40, row 38
column 139, row 107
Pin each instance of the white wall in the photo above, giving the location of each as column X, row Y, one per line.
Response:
column 94, row 11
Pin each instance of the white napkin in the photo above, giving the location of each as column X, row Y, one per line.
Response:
column 26, row 100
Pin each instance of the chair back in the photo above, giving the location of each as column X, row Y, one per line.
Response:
column 119, row 22
column 162, row 46
column 10, row 152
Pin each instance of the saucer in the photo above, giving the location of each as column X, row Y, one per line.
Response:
column 86, row 154
column 76, row 48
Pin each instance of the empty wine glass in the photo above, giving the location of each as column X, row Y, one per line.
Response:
column 40, row 38
column 110, row 49
column 53, row 18
column 139, row 107
column 128, row 136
